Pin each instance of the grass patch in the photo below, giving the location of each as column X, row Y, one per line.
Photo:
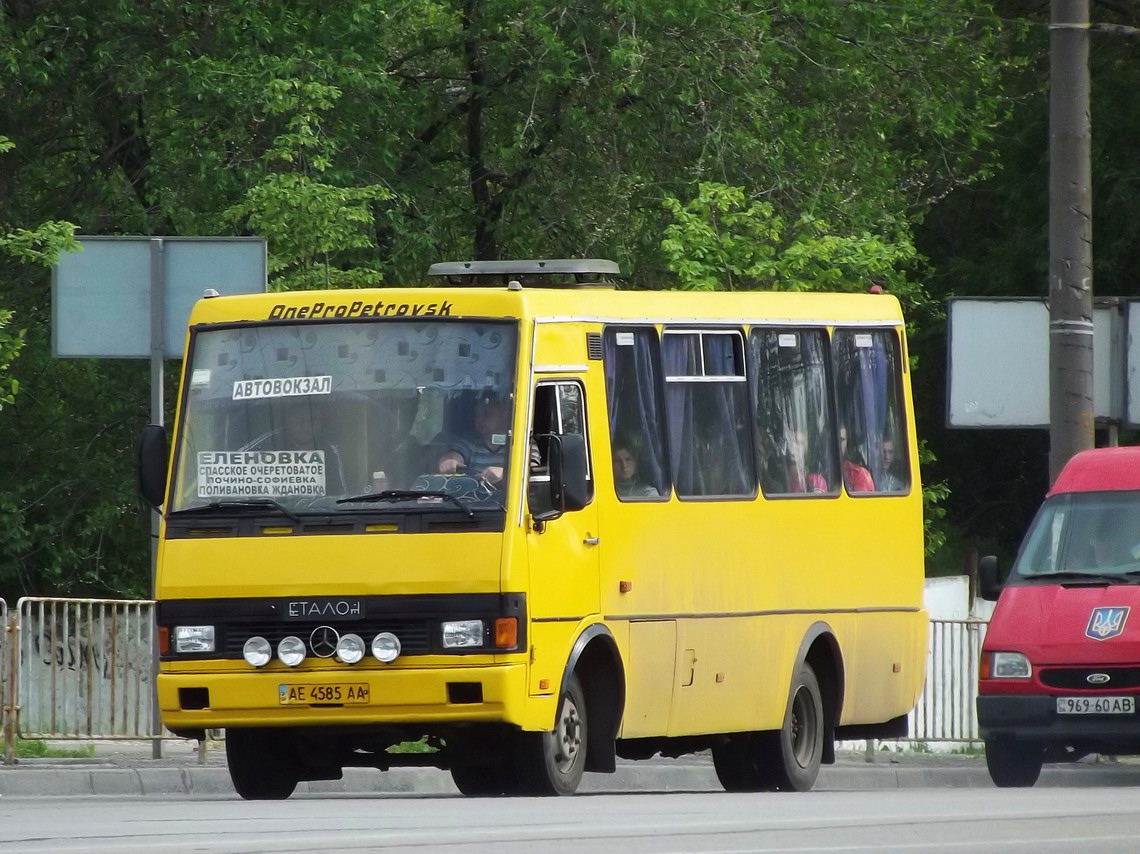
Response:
column 420, row 746
column 36, row 749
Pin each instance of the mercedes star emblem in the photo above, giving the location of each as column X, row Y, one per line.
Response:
column 323, row 641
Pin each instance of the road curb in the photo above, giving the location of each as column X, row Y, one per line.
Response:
column 652, row 776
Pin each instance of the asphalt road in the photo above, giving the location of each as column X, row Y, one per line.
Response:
column 920, row 820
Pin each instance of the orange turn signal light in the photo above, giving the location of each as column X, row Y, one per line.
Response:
column 506, row 632
column 164, row 640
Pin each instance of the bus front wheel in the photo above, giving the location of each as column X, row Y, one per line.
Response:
column 258, row 767
column 552, row 763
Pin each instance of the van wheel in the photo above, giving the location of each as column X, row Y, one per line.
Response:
column 1012, row 765
column 552, row 763
column 258, row 768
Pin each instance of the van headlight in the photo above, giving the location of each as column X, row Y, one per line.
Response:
column 458, row 634
column 1009, row 665
column 191, row 639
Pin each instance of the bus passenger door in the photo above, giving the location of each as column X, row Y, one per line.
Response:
column 563, row 555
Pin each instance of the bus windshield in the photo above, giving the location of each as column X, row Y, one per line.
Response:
column 1083, row 533
column 300, row 417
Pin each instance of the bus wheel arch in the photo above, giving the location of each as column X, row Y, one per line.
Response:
column 820, row 650
column 595, row 660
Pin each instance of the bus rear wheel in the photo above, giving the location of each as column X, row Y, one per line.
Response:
column 258, row 767
column 785, row 760
column 485, row 781
column 552, row 763
column 1012, row 765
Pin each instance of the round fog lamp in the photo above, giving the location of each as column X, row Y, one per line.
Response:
column 350, row 649
column 386, row 646
column 291, row 651
column 257, row 652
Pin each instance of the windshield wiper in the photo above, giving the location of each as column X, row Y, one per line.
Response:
column 239, row 504
column 1132, row 576
column 407, row 495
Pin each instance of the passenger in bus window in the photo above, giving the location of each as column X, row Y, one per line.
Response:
column 626, row 479
column 484, row 451
column 855, row 474
column 889, row 480
column 799, row 476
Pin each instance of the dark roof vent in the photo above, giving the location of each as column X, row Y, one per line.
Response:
column 554, row 273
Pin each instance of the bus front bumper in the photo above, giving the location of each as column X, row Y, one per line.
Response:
column 210, row 700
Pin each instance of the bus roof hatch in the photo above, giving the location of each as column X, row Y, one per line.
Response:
column 552, row 273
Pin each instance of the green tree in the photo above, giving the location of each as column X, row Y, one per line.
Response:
column 366, row 141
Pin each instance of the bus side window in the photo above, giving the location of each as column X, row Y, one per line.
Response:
column 636, row 413
column 872, row 434
column 791, row 404
column 706, row 400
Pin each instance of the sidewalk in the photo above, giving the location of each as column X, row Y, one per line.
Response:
column 126, row 768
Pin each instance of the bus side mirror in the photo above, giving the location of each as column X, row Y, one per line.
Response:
column 151, row 465
column 566, row 489
column 989, row 588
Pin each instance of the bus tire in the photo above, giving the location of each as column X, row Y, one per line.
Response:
column 741, row 765
column 783, row 760
column 1012, row 765
column 258, row 769
column 484, row 781
column 551, row 763
column 796, row 749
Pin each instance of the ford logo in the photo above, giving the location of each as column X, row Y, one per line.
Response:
column 1097, row 678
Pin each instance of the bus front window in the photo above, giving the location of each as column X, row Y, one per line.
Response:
column 304, row 415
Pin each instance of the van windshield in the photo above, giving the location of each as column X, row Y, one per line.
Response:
column 1087, row 533
column 299, row 417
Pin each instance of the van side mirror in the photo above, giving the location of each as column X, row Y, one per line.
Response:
column 989, row 588
column 151, row 465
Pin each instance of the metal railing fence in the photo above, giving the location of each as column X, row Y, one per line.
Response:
column 84, row 668
column 7, row 685
column 947, row 708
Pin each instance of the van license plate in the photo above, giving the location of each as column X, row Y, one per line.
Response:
column 1096, row 705
column 354, row 695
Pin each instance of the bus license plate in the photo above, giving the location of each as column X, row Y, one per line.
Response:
column 355, row 695
column 1095, row 705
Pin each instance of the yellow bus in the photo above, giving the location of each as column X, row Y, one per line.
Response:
column 537, row 523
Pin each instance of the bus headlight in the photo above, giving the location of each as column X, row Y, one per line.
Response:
column 257, row 652
column 193, row 638
column 458, row 634
column 350, row 649
column 1009, row 665
column 385, row 647
column 291, row 651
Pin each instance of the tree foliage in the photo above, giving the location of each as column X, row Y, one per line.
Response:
column 700, row 143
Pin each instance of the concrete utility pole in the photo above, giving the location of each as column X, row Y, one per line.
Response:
column 1071, row 425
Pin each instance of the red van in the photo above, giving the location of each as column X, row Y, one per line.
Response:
column 1060, row 668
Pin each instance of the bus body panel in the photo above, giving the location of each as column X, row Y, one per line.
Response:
column 331, row 565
